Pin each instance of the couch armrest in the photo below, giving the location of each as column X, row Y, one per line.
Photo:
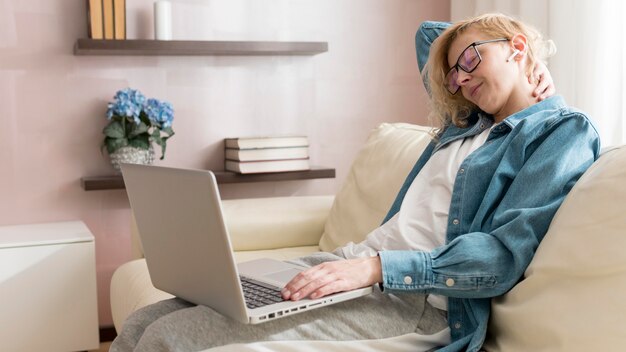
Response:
column 131, row 289
column 268, row 223
column 279, row 222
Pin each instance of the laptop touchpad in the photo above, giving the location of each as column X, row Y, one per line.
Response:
column 283, row 275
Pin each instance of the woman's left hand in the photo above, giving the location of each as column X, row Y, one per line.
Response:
column 545, row 85
column 331, row 277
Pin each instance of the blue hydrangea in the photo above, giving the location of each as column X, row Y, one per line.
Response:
column 138, row 122
column 160, row 112
column 127, row 103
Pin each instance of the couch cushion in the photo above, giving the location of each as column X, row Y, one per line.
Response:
column 373, row 181
column 571, row 297
column 252, row 223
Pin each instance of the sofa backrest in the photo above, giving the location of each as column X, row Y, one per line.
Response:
column 374, row 179
column 571, row 297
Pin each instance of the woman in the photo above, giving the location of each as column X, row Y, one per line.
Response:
column 464, row 226
column 516, row 161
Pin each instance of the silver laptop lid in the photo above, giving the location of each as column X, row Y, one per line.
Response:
column 185, row 242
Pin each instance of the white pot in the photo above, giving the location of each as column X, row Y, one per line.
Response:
column 132, row 155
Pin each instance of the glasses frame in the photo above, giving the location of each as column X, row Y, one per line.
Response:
column 458, row 66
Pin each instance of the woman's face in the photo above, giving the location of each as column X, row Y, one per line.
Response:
column 491, row 84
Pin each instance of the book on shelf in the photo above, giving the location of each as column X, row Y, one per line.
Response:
column 108, row 19
column 262, row 154
column 255, row 167
column 266, row 142
column 119, row 19
column 95, row 25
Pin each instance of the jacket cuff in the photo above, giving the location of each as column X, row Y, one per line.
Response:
column 406, row 270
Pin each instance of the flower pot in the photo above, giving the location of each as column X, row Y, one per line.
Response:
column 132, row 155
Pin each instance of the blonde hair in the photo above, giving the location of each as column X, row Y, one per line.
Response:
column 447, row 108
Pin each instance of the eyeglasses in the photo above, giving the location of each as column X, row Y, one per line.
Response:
column 467, row 61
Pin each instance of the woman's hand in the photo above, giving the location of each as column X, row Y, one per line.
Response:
column 545, row 86
column 331, row 277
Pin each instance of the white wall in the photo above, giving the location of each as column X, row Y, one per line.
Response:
column 52, row 104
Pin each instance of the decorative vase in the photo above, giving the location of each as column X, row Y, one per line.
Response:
column 162, row 20
column 132, row 155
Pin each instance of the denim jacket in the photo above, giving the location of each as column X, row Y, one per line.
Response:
column 504, row 197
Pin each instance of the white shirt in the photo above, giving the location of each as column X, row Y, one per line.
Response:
column 422, row 221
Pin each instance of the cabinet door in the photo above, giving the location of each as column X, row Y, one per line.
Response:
column 48, row 298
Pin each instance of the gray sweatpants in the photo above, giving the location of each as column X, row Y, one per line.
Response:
column 177, row 325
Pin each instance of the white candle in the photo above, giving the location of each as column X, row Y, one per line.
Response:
column 162, row 20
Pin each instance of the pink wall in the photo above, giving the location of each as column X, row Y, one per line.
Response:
column 52, row 103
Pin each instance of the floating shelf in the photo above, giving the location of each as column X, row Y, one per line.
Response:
column 96, row 183
column 193, row 47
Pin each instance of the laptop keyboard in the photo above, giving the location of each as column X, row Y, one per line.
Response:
column 258, row 295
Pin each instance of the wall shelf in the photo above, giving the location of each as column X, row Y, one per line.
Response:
column 96, row 183
column 146, row 47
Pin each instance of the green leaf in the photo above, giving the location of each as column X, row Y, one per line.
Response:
column 142, row 141
column 144, row 118
column 163, row 146
column 114, row 130
column 113, row 144
column 169, row 131
column 157, row 138
column 139, row 129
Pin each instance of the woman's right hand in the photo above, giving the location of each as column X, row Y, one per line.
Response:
column 335, row 276
column 545, row 85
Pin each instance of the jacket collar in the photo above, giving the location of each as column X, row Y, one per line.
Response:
column 554, row 102
column 480, row 121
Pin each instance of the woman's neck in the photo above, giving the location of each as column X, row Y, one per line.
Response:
column 521, row 97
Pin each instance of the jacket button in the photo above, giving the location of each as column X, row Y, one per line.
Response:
column 455, row 221
column 461, row 171
column 457, row 325
column 408, row 280
column 450, row 282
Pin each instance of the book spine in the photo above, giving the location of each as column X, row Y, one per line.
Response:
column 264, row 162
column 109, row 21
column 266, row 166
column 119, row 19
column 235, row 143
column 95, row 25
column 89, row 35
column 265, row 154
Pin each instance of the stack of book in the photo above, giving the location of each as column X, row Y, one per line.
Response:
column 106, row 19
column 267, row 154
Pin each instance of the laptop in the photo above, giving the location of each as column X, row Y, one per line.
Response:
column 189, row 254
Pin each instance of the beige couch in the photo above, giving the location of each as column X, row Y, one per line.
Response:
column 571, row 298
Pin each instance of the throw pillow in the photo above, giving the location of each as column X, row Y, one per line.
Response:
column 373, row 181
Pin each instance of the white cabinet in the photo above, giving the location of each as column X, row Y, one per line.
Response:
column 48, row 288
